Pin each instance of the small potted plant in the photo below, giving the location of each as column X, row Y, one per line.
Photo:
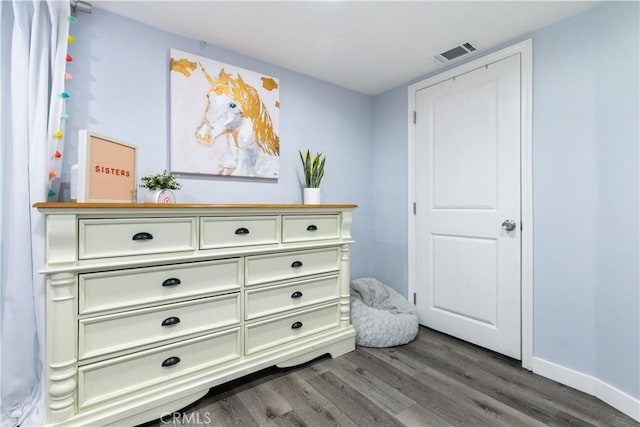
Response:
column 160, row 186
column 313, row 168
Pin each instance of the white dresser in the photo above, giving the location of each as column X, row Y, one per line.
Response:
column 148, row 306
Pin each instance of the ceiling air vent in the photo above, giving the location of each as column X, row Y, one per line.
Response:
column 455, row 52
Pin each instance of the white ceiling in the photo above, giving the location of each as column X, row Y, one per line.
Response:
column 366, row 46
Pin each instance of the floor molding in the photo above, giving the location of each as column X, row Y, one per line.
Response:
column 588, row 384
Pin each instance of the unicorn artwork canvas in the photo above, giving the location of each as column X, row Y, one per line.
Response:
column 224, row 119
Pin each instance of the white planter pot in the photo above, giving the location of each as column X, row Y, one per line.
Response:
column 311, row 196
column 160, row 196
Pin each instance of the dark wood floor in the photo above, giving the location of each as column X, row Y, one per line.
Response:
column 436, row 380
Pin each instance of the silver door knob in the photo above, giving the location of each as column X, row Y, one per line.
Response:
column 509, row 225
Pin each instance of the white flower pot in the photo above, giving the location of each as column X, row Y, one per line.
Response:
column 311, row 196
column 160, row 196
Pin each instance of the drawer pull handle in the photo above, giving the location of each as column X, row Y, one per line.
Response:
column 171, row 361
column 296, row 325
column 296, row 264
column 240, row 231
column 296, row 294
column 312, row 228
column 171, row 282
column 170, row 321
column 142, row 236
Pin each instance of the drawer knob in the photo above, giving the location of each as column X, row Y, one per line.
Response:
column 171, row 361
column 142, row 236
column 170, row 321
column 296, row 264
column 240, row 231
column 312, row 228
column 171, row 282
column 296, row 294
column 296, row 325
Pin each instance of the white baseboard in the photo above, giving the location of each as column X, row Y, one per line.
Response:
column 588, row 384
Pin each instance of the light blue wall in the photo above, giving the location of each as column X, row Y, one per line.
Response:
column 389, row 177
column 586, row 139
column 120, row 88
column 565, row 186
column 617, row 112
column 586, row 193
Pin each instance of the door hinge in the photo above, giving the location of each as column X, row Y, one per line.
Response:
column 414, row 117
column 414, row 298
column 414, row 208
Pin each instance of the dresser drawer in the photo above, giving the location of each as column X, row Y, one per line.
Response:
column 104, row 238
column 107, row 334
column 121, row 289
column 269, row 268
column 273, row 299
column 226, row 232
column 113, row 378
column 299, row 228
column 270, row 333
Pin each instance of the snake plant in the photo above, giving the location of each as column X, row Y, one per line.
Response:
column 313, row 168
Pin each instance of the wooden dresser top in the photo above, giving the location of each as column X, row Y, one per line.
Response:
column 69, row 205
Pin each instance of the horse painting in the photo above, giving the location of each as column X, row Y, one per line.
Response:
column 234, row 124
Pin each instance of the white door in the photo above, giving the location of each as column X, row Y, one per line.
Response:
column 467, row 169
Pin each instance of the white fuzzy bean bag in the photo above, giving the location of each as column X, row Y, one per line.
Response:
column 381, row 316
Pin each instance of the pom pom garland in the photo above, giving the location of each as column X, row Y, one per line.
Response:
column 59, row 135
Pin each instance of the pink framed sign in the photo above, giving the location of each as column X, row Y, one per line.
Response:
column 106, row 169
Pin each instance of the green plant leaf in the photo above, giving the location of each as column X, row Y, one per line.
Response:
column 314, row 178
column 321, row 173
column 320, row 177
column 307, row 169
